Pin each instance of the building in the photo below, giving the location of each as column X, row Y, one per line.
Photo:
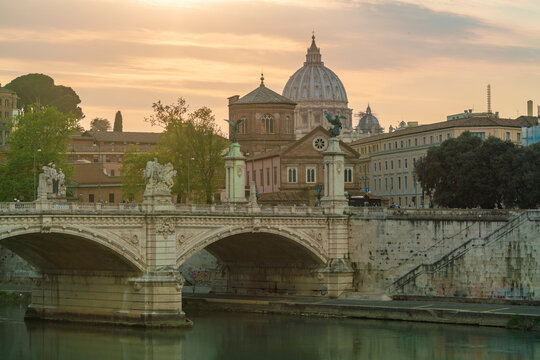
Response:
column 387, row 160
column 8, row 109
column 267, row 119
column 293, row 173
column 97, row 159
column 368, row 123
column 316, row 90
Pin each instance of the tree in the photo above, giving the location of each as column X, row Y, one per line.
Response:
column 100, row 124
column 193, row 143
column 118, row 122
column 43, row 128
column 40, row 89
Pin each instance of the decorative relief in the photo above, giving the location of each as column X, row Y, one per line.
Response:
column 339, row 166
column 46, row 224
column 165, row 227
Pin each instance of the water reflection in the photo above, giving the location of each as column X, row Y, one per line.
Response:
column 256, row 336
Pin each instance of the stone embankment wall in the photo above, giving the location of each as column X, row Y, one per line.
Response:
column 503, row 265
column 386, row 244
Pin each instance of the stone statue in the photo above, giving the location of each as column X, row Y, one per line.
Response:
column 252, row 193
column 334, row 132
column 158, row 178
column 61, row 183
column 51, row 182
column 235, row 127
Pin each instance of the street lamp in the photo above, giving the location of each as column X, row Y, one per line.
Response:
column 34, row 188
column 188, row 179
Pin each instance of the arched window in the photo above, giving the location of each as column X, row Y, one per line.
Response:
column 267, row 124
column 287, row 125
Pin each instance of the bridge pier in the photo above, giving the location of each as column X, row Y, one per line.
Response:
column 151, row 300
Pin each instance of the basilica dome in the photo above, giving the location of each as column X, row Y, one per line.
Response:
column 317, row 90
column 314, row 81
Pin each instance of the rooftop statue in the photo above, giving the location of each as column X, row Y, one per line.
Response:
column 334, row 132
column 235, row 127
column 158, row 178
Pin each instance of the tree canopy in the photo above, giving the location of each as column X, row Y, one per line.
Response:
column 118, row 122
column 193, row 143
column 100, row 124
column 40, row 89
column 467, row 171
column 38, row 137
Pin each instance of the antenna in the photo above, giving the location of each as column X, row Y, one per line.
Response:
column 489, row 98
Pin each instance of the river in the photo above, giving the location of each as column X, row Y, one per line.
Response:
column 223, row 336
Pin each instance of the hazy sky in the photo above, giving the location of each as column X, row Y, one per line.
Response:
column 411, row 60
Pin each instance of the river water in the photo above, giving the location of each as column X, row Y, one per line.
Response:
column 236, row 336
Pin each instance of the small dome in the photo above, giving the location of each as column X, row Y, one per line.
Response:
column 314, row 81
column 368, row 122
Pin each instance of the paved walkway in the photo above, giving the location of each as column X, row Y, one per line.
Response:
column 429, row 311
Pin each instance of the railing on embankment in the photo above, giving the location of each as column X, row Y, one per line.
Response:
column 463, row 249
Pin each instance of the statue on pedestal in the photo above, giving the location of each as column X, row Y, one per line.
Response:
column 51, row 183
column 334, row 132
column 235, row 128
column 158, row 178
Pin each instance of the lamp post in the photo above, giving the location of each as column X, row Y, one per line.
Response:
column 189, row 179
column 34, row 188
column 100, row 160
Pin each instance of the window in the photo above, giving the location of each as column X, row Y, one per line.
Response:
column 267, row 124
column 395, row 144
column 392, row 164
column 481, row 135
column 518, row 136
column 275, row 175
column 386, row 183
column 112, row 172
column 405, row 163
column 384, row 146
column 379, row 166
column 424, row 140
column 399, row 164
column 268, row 176
column 405, row 182
column 431, row 139
column 415, row 142
column 310, row 175
column 448, row 135
column 507, row 135
column 349, row 175
column 247, row 177
column 391, row 183
column 111, row 197
column 401, row 143
column 409, row 143
column 385, row 164
column 242, row 129
column 440, row 138
column 287, row 125
column 261, row 177
column 399, row 182
column 91, row 198
column 380, row 184
column 374, row 167
column 291, row 175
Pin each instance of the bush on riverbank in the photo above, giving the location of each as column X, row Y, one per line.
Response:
column 10, row 297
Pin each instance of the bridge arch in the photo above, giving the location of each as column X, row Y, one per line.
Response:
column 68, row 248
column 250, row 239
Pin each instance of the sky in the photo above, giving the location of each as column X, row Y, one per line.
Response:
column 411, row 60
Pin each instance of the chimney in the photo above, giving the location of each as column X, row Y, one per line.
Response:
column 233, row 99
column 529, row 108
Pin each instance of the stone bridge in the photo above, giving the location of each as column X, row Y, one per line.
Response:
column 119, row 262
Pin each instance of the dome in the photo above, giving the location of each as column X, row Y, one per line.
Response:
column 314, row 81
column 368, row 122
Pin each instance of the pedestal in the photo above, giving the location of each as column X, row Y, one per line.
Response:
column 334, row 178
column 235, row 164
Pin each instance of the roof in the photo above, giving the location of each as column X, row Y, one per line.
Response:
column 5, row 90
column 459, row 123
column 263, row 95
column 118, row 136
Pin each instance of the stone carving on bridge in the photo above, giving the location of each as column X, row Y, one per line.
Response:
column 159, row 178
column 51, row 183
column 165, row 227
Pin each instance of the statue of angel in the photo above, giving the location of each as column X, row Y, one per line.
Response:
column 334, row 132
column 235, row 127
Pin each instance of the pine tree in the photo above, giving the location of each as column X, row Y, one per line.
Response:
column 118, row 122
